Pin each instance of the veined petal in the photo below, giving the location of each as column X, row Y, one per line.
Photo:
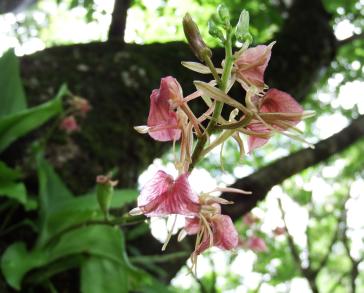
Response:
column 277, row 101
column 163, row 195
column 251, row 64
column 161, row 115
column 224, row 234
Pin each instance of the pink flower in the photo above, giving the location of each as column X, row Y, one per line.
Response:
column 224, row 234
column 249, row 219
column 251, row 64
column 69, row 124
column 279, row 231
column 162, row 120
column 274, row 101
column 192, row 225
column 257, row 244
column 163, row 196
column 220, row 232
column 81, row 105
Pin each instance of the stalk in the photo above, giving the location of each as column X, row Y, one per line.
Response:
column 211, row 127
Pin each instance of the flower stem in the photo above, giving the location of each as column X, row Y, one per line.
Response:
column 223, row 84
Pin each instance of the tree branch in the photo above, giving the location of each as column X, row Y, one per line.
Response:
column 307, row 273
column 275, row 173
column 260, row 183
column 354, row 272
column 349, row 40
column 334, row 238
column 118, row 20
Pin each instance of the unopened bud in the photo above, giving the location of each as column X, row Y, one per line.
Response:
column 215, row 31
column 193, row 35
column 224, row 14
column 104, row 193
column 242, row 28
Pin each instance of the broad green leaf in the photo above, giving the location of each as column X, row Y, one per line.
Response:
column 12, row 98
column 103, row 275
column 17, row 261
column 14, row 190
column 101, row 240
column 18, row 124
column 61, row 210
column 52, row 190
column 76, row 210
column 52, row 194
column 7, row 173
column 97, row 240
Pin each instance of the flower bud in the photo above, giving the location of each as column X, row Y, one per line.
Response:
column 242, row 28
column 104, row 193
column 224, row 14
column 214, row 30
column 69, row 124
column 193, row 35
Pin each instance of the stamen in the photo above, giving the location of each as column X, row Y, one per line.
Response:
column 169, row 233
column 207, row 225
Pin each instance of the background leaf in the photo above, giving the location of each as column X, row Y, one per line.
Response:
column 98, row 240
column 12, row 98
column 103, row 275
column 18, row 124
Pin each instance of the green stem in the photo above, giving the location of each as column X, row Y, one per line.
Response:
column 218, row 105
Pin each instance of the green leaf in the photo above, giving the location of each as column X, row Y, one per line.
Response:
column 52, row 190
column 7, row 173
column 18, row 124
column 103, row 275
column 98, row 240
column 52, row 195
column 12, row 98
column 77, row 210
column 14, row 190
column 60, row 209
column 17, row 261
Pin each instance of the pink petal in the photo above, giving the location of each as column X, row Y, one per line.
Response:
column 250, row 219
column 163, row 196
column 224, row 234
column 161, row 115
column 252, row 64
column 69, row 124
column 257, row 244
column 192, row 225
column 278, row 101
column 254, row 141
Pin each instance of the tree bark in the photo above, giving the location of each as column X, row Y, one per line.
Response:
column 118, row 20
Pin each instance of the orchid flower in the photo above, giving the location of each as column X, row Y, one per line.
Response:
column 250, row 66
column 257, row 244
column 288, row 113
column 69, row 124
column 167, row 105
column 163, row 196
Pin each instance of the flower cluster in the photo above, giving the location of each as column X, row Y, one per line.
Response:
column 76, row 107
column 261, row 113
